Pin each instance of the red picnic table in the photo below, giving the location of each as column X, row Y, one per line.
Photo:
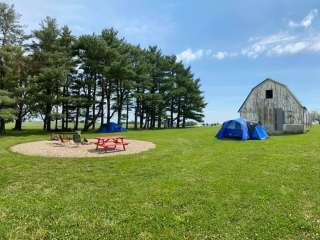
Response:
column 111, row 142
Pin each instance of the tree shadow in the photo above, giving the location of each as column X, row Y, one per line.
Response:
column 24, row 133
column 34, row 132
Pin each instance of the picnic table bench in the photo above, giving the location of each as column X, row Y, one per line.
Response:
column 111, row 142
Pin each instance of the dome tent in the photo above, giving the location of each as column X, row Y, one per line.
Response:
column 110, row 128
column 241, row 129
column 257, row 131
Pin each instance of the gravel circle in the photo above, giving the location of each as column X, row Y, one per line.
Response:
column 71, row 150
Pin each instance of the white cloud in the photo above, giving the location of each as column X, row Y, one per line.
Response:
column 220, row 55
column 283, row 43
column 306, row 21
column 287, row 42
column 188, row 55
column 263, row 45
column 295, row 39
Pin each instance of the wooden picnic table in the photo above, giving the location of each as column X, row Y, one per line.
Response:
column 111, row 142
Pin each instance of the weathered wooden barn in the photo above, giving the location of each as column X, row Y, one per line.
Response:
column 274, row 105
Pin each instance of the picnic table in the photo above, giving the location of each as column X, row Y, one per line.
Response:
column 111, row 142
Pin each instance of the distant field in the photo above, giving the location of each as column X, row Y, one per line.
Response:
column 191, row 186
column 26, row 125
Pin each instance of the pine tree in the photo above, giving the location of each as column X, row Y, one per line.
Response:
column 91, row 51
column 67, row 41
column 11, row 31
column 7, row 111
column 52, row 67
column 11, row 39
column 17, row 69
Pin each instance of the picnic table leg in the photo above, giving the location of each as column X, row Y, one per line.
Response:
column 124, row 147
column 98, row 142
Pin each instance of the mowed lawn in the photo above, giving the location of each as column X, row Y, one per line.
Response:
column 191, row 186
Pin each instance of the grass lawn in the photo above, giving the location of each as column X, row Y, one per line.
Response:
column 190, row 187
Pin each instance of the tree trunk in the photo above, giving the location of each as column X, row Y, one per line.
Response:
column 108, row 98
column 18, row 125
column 119, row 113
column 159, row 116
column 2, row 127
column 67, row 116
column 141, row 117
column 87, row 115
column 94, row 119
column 44, row 128
column 63, row 117
column 48, row 128
column 183, row 121
column 86, row 120
column 152, row 117
column 63, row 109
column 102, row 113
column 76, row 125
column 147, row 120
column 178, row 114
column 94, row 101
column 102, row 103
column 171, row 114
column 127, row 115
column 136, row 111
column 147, row 124
column 48, row 118
column 119, row 101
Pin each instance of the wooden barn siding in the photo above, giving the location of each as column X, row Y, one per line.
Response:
column 258, row 108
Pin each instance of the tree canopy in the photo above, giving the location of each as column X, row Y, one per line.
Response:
column 93, row 78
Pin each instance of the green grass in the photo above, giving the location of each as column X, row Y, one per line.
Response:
column 190, row 187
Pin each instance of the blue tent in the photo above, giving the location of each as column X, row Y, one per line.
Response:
column 258, row 132
column 110, row 128
column 241, row 129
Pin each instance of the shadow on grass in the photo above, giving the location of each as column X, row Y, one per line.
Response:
column 40, row 132
column 23, row 133
column 34, row 132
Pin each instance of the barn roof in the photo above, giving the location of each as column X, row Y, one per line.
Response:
column 279, row 83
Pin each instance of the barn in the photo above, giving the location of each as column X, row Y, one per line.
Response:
column 273, row 104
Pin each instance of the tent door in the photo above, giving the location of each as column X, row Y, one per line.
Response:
column 278, row 119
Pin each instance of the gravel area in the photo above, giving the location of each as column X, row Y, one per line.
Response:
column 71, row 150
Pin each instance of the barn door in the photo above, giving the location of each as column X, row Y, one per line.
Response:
column 279, row 119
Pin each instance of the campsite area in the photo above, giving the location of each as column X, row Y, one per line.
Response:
column 172, row 120
column 191, row 186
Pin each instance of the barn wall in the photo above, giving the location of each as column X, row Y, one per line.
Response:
column 283, row 107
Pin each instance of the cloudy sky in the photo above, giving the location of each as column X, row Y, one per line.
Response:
column 231, row 45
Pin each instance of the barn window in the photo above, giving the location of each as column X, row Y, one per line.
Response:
column 269, row 94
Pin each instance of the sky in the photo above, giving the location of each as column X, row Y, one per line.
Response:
column 231, row 45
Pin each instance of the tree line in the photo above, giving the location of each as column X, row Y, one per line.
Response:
column 93, row 79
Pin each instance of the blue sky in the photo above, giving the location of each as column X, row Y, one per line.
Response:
column 231, row 45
